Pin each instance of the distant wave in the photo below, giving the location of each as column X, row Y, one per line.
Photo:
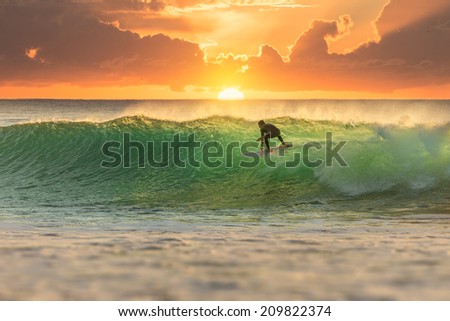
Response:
column 386, row 112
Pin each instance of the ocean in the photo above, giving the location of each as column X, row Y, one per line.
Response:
column 96, row 203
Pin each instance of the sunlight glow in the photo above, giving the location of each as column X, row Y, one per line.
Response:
column 32, row 53
column 230, row 94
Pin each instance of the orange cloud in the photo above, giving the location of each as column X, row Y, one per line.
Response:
column 51, row 42
column 399, row 14
column 415, row 55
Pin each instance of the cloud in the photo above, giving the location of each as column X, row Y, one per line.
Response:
column 196, row 5
column 413, row 54
column 399, row 14
column 151, row 22
column 61, row 41
column 68, row 41
column 313, row 43
column 132, row 5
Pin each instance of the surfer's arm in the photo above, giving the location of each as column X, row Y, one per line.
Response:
column 261, row 138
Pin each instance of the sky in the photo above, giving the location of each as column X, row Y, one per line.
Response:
column 187, row 49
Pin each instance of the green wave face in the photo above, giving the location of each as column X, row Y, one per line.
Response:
column 58, row 164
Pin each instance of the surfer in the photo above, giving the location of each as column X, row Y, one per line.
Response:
column 268, row 131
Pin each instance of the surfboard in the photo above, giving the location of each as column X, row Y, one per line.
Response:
column 279, row 150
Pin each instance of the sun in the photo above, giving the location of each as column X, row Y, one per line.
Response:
column 230, row 94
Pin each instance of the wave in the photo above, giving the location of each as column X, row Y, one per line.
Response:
column 388, row 112
column 59, row 163
column 394, row 112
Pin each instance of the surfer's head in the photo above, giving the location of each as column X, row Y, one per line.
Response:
column 260, row 123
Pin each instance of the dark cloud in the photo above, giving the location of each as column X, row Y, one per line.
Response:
column 313, row 44
column 72, row 45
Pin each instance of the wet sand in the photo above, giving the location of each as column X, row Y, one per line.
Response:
column 402, row 258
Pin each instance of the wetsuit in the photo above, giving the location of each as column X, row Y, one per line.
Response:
column 268, row 131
